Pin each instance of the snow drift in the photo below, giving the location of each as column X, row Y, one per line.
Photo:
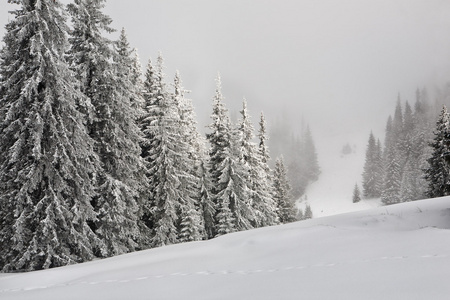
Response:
column 395, row 252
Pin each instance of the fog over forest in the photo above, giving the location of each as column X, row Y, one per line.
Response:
column 339, row 65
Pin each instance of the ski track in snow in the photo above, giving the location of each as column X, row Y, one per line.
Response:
column 224, row 272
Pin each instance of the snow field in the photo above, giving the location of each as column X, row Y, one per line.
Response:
column 395, row 252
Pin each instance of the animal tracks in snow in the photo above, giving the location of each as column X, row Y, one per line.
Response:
column 220, row 272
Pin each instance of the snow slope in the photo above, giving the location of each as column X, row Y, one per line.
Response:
column 332, row 193
column 395, row 252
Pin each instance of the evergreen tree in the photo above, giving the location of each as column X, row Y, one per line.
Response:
column 263, row 187
column 281, row 193
column 392, row 180
column 169, row 212
column 310, row 156
column 437, row 173
column 356, row 194
column 308, row 212
column 103, row 68
column 190, row 147
column 47, row 157
column 262, row 206
column 372, row 169
column 219, row 154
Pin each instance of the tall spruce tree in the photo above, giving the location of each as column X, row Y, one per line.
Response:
column 281, row 193
column 163, row 149
column 437, row 174
column 262, row 205
column 103, row 67
column 229, row 172
column 191, row 149
column 219, row 151
column 47, row 158
column 264, row 188
column 372, row 175
column 392, row 179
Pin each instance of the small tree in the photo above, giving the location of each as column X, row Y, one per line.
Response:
column 308, row 212
column 356, row 194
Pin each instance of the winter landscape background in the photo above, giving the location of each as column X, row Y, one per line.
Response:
column 338, row 69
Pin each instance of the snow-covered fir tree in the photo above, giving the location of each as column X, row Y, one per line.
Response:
column 219, row 151
column 372, row 175
column 263, row 187
column 392, row 179
column 281, row 193
column 356, row 194
column 228, row 172
column 47, row 160
column 170, row 211
column 104, row 69
column 191, row 227
column 308, row 212
column 437, row 174
column 303, row 166
column 310, row 156
column 263, row 206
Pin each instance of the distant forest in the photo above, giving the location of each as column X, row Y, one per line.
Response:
column 412, row 163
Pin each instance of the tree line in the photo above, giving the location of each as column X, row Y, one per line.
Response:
column 412, row 163
column 99, row 159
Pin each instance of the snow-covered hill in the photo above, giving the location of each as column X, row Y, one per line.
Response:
column 395, row 252
column 332, row 193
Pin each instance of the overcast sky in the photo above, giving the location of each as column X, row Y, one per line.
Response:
column 340, row 64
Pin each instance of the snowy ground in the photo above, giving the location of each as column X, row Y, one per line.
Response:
column 332, row 193
column 395, row 252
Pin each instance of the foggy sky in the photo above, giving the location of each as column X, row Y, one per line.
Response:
column 339, row 64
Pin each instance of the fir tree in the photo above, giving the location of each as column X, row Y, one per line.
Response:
column 437, row 173
column 47, row 157
column 219, row 153
column 310, row 155
column 258, row 182
column 263, row 188
column 281, row 193
column 308, row 212
column 372, row 169
column 392, row 180
column 162, row 151
column 103, row 67
column 356, row 194
column 190, row 146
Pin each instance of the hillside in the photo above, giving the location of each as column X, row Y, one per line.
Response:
column 395, row 252
column 332, row 193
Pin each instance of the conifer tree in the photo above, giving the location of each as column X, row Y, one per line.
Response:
column 229, row 171
column 356, row 194
column 372, row 169
column 308, row 212
column 281, row 193
column 310, row 155
column 392, row 180
column 219, row 152
column 263, row 187
column 163, row 149
column 437, row 173
column 189, row 163
column 47, row 158
column 103, row 67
